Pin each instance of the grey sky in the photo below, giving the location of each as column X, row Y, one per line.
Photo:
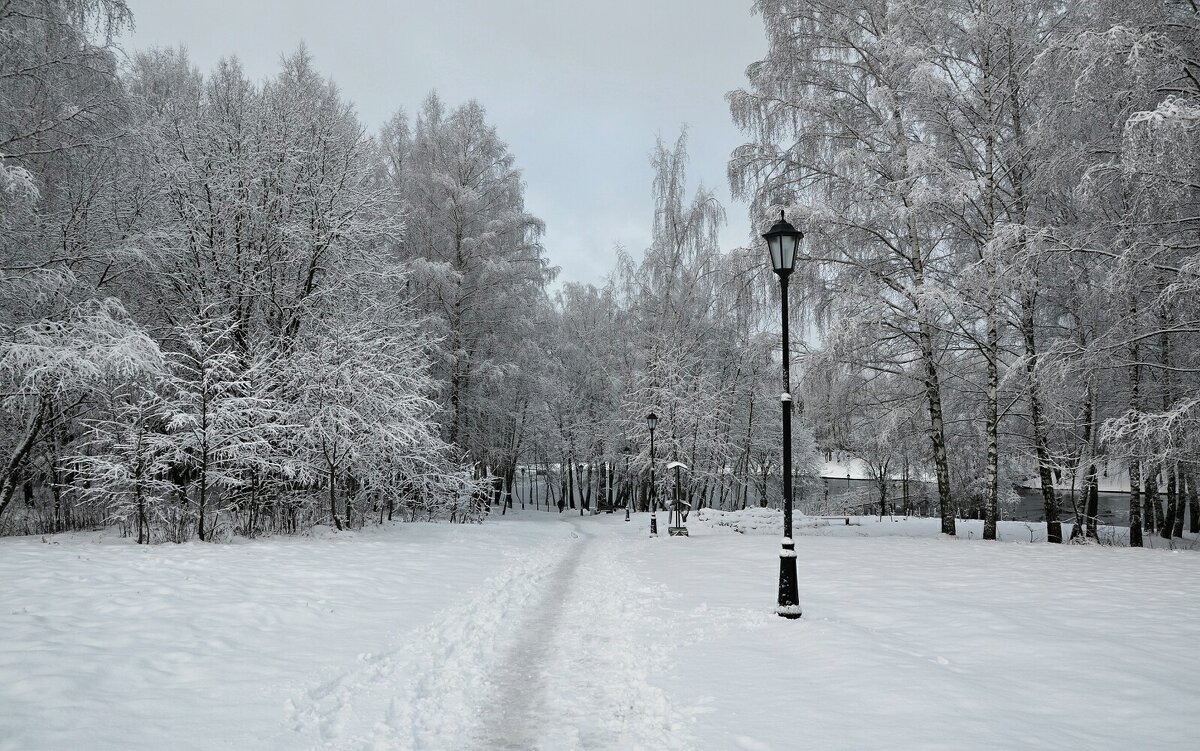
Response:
column 579, row 90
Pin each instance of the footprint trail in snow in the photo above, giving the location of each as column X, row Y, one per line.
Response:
column 546, row 656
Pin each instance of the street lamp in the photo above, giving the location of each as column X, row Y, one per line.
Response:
column 675, row 525
column 652, row 423
column 783, row 240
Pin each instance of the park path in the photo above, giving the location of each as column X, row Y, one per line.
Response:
column 557, row 650
column 581, row 675
column 515, row 716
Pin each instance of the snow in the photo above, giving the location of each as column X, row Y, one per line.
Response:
column 929, row 643
column 561, row 632
column 109, row 645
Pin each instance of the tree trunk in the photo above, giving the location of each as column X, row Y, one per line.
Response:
column 585, row 489
column 143, row 522
column 882, row 480
column 1151, row 503
column 333, row 514
column 562, row 485
column 1041, row 448
column 1166, row 525
column 992, row 343
column 571, row 483
column 937, row 432
column 603, row 502
column 1193, row 503
column 1135, row 473
column 550, row 499
column 746, row 479
column 1159, row 520
column 1091, row 496
column 1135, row 504
column 992, row 489
column 16, row 460
column 1173, row 510
column 933, row 393
column 202, row 501
column 1180, row 505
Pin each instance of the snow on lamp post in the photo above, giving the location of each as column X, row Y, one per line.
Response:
column 652, row 423
column 782, row 242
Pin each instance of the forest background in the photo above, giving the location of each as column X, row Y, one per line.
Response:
column 229, row 307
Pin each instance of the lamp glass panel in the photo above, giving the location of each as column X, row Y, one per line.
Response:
column 788, row 252
column 775, row 246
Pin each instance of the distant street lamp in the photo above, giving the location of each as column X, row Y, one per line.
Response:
column 782, row 241
column 520, row 488
column 652, row 423
column 675, row 525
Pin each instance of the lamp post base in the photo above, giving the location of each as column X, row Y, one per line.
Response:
column 626, row 513
column 789, row 594
column 653, row 525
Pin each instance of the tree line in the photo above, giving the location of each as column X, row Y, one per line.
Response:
column 1001, row 201
column 231, row 308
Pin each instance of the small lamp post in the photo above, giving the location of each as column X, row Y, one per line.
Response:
column 652, row 423
column 521, row 487
column 783, row 240
column 675, row 525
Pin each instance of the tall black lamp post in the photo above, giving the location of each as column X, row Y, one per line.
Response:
column 652, row 423
column 782, row 241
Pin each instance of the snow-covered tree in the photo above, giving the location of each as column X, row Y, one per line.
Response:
column 359, row 396
column 225, row 423
column 125, row 463
column 833, row 116
column 51, row 371
column 474, row 252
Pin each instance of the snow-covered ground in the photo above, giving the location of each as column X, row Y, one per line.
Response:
column 561, row 632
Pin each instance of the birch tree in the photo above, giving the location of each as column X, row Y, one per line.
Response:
column 832, row 117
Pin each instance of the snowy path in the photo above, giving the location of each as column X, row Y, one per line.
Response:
column 551, row 654
column 428, row 692
column 583, row 674
column 514, row 712
column 555, row 652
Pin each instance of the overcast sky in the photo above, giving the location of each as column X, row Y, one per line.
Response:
column 578, row 90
